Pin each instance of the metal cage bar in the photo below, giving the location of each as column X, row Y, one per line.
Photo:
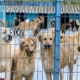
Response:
column 57, row 40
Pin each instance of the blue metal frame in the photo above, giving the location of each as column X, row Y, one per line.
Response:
column 2, row 14
column 57, row 29
column 28, row 3
column 57, row 40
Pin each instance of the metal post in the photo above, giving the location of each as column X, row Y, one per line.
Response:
column 57, row 40
column 2, row 13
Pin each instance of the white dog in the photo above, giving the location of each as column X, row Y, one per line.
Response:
column 6, row 51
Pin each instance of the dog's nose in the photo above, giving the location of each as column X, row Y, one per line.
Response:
column 9, row 37
column 31, row 52
column 78, row 48
column 47, row 46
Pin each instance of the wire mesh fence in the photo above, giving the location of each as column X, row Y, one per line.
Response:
column 28, row 39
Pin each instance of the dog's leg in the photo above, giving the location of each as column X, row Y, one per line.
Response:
column 48, row 76
column 17, row 32
column 72, row 28
column 77, row 27
column 29, row 77
column 60, row 75
column 37, row 30
column 14, row 31
column 12, row 75
column 18, row 76
column 21, row 32
column 8, row 70
column 70, row 69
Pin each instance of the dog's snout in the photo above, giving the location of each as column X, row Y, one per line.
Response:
column 31, row 52
column 47, row 46
column 9, row 37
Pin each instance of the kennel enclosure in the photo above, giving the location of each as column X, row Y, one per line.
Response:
column 31, row 10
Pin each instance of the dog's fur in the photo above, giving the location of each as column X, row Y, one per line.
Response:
column 40, row 25
column 17, row 20
column 6, row 51
column 23, row 63
column 71, row 39
column 47, row 55
column 30, row 25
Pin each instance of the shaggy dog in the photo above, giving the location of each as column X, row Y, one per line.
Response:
column 6, row 51
column 23, row 64
column 47, row 55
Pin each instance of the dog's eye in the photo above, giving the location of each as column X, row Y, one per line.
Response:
column 45, row 38
column 32, row 45
column 61, row 37
column 4, row 32
column 26, row 45
column 50, row 38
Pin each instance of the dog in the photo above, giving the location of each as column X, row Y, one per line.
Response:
column 52, row 21
column 23, row 63
column 74, row 24
column 71, row 39
column 17, row 21
column 6, row 51
column 40, row 25
column 47, row 55
column 30, row 26
column 63, row 27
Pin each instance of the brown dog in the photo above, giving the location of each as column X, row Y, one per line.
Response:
column 65, row 26
column 23, row 63
column 30, row 25
column 47, row 55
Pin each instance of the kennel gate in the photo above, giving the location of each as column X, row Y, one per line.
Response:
column 57, row 31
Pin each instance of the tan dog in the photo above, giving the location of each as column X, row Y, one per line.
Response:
column 30, row 25
column 23, row 64
column 72, row 40
column 47, row 55
column 6, row 51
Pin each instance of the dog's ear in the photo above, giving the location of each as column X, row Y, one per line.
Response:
column 34, row 40
column 42, row 18
column 40, row 37
column 22, row 42
column 37, row 20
